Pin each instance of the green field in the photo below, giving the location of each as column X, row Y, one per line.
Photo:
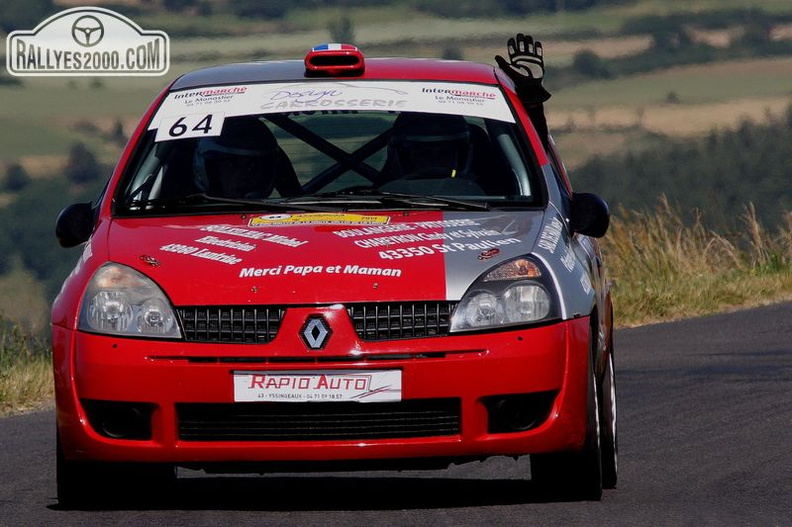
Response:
column 694, row 85
column 30, row 138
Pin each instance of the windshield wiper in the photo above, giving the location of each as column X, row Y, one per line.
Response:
column 371, row 196
column 193, row 200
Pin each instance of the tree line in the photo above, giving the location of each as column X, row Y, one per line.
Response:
column 717, row 174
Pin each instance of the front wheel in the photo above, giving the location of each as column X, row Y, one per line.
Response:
column 610, row 440
column 92, row 484
column 575, row 475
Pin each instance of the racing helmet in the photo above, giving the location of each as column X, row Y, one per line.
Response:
column 430, row 142
column 238, row 163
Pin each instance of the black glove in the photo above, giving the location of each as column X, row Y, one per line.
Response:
column 526, row 68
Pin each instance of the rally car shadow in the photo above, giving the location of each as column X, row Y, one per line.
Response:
column 361, row 493
column 329, row 493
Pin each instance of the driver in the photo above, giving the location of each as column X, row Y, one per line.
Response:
column 240, row 163
column 434, row 145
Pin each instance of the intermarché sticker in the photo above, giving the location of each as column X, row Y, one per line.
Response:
column 87, row 41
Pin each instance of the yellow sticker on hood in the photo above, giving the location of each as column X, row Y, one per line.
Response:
column 317, row 218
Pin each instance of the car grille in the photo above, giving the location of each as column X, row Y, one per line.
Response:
column 404, row 320
column 249, row 325
column 318, row 421
column 259, row 324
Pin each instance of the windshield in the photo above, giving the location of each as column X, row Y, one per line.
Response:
column 227, row 148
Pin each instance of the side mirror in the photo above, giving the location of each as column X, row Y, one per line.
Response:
column 75, row 224
column 590, row 215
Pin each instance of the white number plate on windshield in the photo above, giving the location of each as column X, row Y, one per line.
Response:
column 318, row 386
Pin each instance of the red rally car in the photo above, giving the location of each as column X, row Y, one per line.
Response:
column 335, row 263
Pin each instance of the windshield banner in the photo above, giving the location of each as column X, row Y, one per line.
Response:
column 198, row 111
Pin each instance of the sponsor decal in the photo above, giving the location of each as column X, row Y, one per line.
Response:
column 444, row 248
column 444, row 224
column 462, row 94
column 255, row 235
column 318, row 386
column 300, row 97
column 310, row 98
column 455, row 237
column 461, row 97
column 207, row 254
column 316, row 218
column 197, row 252
column 486, row 255
column 400, row 239
column 551, row 233
column 149, row 260
column 209, row 95
column 194, row 101
column 379, row 229
column 305, row 270
column 585, row 282
column 568, row 260
column 397, row 239
column 229, row 244
column 400, row 227
column 86, row 41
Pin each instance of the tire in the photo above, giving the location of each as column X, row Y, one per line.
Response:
column 84, row 484
column 609, row 426
column 69, row 478
column 575, row 475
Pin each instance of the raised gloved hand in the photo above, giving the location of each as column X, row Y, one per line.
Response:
column 526, row 68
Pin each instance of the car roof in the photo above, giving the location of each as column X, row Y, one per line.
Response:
column 375, row 69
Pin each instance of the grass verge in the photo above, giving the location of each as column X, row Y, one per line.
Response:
column 25, row 371
column 664, row 269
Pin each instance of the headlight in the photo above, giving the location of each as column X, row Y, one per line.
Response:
column 515, row 292
column 526, row 302
column 122, row 301
column 481, row 308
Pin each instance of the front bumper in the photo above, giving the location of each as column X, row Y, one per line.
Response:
column 475, row 371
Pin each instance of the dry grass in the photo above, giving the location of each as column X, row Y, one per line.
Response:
column 25, row 372
column 664, row 269
column 26, row 386
column 670, row 119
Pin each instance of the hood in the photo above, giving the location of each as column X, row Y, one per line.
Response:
column 321, row 258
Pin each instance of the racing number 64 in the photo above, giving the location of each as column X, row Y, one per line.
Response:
column 195, row 125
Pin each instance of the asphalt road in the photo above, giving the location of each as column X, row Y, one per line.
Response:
column 705, row 409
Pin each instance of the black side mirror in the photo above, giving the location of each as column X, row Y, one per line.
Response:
column 75, row 224
column 590, row 215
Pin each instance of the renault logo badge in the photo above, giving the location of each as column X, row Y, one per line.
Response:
column 316, row 332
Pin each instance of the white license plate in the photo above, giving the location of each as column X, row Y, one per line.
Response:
column 318, row 386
